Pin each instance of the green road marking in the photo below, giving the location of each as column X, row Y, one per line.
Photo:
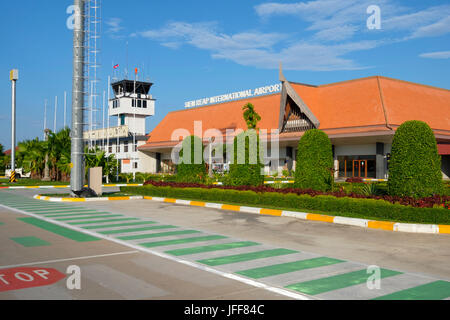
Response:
column 57, row 210
column 102, row 221
column 75, row 214
column 40, row 208
column 437, row 290
column 30, row 241
column 246, row 257
column 340, row 281
column 88, row 218
column 66, row 211
column 65, row 232
column 217, row 247
column 159, row 234
column 137, row 229
column 180, row 241
column 282, row 268
column 120, row 225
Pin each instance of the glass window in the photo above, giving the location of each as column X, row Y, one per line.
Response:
column 363, row 166
column 125, row 146
column 132, row 103
column 144, row 104
column 139, row 103
column 135, row 165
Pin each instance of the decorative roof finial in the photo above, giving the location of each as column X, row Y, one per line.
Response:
column 282, row 78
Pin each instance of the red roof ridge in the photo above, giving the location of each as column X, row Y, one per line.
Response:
column 378, row 77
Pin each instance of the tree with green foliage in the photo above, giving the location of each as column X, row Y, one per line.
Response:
column 97, row 158
column 191, row 167
column 415, row 165
column 246, row 167
column 314, row 166
column 31, row 156
column 251, row 117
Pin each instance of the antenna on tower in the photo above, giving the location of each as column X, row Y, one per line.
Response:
column 93, row 28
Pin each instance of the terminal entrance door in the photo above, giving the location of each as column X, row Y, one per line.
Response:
column 360, row 168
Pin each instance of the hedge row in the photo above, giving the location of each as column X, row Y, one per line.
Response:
column 428, row 202
column 350, row 207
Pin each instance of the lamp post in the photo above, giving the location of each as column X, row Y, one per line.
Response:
column 13, row 76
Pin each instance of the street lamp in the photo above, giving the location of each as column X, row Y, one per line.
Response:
column 13, row 76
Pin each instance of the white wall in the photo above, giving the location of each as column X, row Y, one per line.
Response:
column 355, row 150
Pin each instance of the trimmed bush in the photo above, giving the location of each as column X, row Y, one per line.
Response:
column 192, row 167
column 314, row 167
column 415, row 165
column 246, row 169
column 345, row 206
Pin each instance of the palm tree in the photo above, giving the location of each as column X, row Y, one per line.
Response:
column 144, row 176
column 31, row 155
column 126, row 176
column 58, row 149
column 251, row 117
column 97, row 158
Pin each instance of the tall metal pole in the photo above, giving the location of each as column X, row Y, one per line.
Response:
column 45, row 117
column 65, row 108
column 13, row 76
column 77, row 172
column 56, row 110
column 134, row 124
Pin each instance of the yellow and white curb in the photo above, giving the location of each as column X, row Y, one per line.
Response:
column 364, row 223
column 67, row 186
column 56, row 199
column 357, row 222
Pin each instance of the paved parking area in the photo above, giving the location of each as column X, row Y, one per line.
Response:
column 286, row 258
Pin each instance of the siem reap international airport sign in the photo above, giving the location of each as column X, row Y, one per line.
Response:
column 275, row 88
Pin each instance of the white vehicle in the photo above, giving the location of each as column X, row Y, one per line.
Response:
column 19, row 173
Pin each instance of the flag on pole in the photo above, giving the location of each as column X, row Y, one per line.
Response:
column 136, row 71
column 116, row 66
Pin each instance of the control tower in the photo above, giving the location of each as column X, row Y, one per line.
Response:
column 132, row 103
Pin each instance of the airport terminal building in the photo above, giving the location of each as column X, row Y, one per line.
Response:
column 360, row 117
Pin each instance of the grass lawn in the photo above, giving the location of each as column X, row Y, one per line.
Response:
column 31, row 182
column 104, row 195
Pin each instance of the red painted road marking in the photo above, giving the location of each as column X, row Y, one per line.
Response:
column 26, row 277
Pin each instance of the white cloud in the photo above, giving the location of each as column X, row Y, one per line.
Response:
column 259, row 49
column 205, row 36
column 114, row 26
column 334, row 31
column 436, row 29
column 436, row 55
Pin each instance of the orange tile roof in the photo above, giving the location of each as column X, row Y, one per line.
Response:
column 220, row 116
column 350, row 107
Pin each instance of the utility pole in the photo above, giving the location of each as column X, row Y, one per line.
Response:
column 46, row 169
column 65, row 108
column 13, row 76
column 77, row 155
column 56, row 110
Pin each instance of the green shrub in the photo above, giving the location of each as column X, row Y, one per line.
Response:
column 246, row 168
column 415, row 165
column 314, row 167
column 345, row 206
column 192, row 167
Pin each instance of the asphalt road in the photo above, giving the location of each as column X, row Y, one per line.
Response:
column 151, row 250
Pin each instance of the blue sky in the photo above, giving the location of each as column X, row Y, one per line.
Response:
column 196, row 49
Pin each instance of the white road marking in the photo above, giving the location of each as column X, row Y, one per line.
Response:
column 68, row 259
column 247, row 281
